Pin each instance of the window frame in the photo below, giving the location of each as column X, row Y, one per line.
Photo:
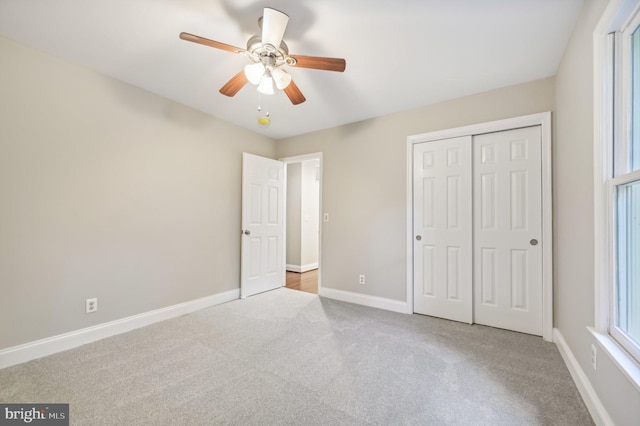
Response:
column 621, row 62
column 610, row 97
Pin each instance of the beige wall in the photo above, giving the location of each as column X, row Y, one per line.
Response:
column 364, row 182
column 108, row 191
column 302, row 215
column 294, row 213
column 309, row 207
column 574, row 219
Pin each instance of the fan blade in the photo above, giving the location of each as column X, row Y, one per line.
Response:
column 234, row 85
column 210, row 43
column 274, row 23
column 318, row 63
column 295, row 95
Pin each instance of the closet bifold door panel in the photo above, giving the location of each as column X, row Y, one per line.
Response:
column 507, row 239
column 442, row 246
column 477, row 229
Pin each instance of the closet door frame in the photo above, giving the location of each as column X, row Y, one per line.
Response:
column 541, row 119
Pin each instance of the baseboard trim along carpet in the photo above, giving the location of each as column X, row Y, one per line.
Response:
column 589, row 396
column 62, row 342
column 366, row 300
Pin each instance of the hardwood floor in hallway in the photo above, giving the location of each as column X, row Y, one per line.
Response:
column 306, row 281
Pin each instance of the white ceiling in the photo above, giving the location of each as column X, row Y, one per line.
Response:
column 400, row 54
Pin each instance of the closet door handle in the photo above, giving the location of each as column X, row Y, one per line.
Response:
column 418, row 237
column 533, row 242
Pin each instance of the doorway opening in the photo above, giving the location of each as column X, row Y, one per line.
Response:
column 303, row 224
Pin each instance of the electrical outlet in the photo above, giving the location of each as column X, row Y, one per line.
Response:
column 91, row 305
column 361, row 280
column 594, row 357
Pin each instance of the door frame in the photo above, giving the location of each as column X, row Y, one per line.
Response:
column 299, row 159
column 542, row 119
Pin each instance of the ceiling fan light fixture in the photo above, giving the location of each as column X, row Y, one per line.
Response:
column 266, row 85
column 281, row 78
column 254, row 72
column 269, row 52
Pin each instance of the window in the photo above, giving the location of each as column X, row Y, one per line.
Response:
column 623, row 190
column 625, row 321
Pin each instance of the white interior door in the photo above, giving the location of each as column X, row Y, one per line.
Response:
column 263, row 246
column 442, row 191
column 508, row 230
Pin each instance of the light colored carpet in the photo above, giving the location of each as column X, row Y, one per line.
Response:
column 288, row 357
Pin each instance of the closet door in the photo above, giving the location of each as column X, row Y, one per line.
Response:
column 508, row 229
column 442, row 203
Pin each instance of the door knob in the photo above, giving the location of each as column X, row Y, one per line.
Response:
column 418, row 237
column 533, row 242
column 247, row 232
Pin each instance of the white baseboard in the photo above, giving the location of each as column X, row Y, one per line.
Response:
column 301, row 268
column 594, row 405
column 366, row 300
column 62, row 342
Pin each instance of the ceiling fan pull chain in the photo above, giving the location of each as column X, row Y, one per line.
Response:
column 264, row 118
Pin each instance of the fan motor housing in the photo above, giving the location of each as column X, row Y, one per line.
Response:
column 259, row 50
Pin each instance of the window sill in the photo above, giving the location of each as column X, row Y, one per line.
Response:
column 619, row 356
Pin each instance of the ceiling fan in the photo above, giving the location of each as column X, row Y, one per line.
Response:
column 269, row 53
